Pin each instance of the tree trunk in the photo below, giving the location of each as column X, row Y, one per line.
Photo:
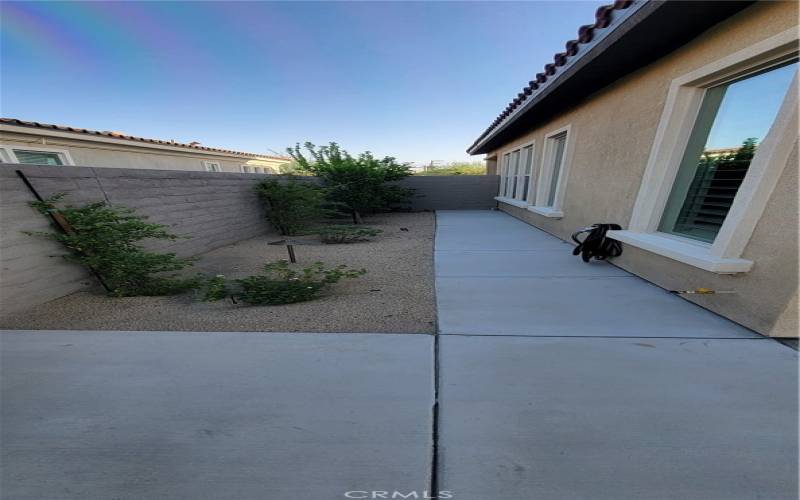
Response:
column 357, row 217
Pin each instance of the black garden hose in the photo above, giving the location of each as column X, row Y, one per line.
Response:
column 596, row 244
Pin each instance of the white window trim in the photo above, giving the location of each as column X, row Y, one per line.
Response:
column 208, row 165
column 517, row 202
column 546, row 172
column 677, row 121
column 7, row 153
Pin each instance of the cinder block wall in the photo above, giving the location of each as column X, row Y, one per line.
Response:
column 452, row 192
column 215, row 209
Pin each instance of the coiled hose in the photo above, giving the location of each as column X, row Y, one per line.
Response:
column 596, row 245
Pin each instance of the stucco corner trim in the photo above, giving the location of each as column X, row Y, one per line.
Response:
column 546, row 212
column 512, row 201
column 694, row 254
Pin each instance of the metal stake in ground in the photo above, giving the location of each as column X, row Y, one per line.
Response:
column 289, row 248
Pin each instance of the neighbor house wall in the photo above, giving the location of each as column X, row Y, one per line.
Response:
column 118, row 155
column 613, row 132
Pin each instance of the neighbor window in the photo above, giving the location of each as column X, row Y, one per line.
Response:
column 515, row 174
column 31, row 156
column 246, row 169
column 212, row 166
column 732, row 121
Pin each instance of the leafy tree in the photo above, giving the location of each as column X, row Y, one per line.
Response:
column 106, row 238
column 293, row 206
column 360, row 184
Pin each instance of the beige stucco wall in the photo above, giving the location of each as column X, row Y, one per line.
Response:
column 85, row 152
column 613, row 133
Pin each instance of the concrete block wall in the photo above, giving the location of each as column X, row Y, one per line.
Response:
column 213, row 208
column 452, row 192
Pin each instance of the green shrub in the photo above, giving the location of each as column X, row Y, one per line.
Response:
column 216, row 289
column 345, row 233
column 105, row 238
column 293, row 206
column 457, row 168
column 280, row 284
column 359, row 184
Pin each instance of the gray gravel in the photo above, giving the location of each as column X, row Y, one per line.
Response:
column 395, row 296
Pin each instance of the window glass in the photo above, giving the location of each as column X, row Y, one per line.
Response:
column 504, row 178
column 38, row 157
column 527, row 159
column 558, row 144
column 515, row 173
column 732, row 121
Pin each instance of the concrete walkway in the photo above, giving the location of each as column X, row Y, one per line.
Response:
column 550, row 379
column 565, row 380
column 213, row 416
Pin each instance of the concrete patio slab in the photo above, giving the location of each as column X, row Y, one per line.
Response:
column 554, row 306
column 495, row 238
column 517, row 264
column 116, row 415
column 617, row 419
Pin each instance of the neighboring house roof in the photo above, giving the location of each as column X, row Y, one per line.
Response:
column 120, row 135
column 625, row 36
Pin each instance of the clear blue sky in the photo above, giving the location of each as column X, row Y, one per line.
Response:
column 749, row 108
column 418, row 81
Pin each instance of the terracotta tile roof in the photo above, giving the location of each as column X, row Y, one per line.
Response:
column 120, row 135
column 603, row 17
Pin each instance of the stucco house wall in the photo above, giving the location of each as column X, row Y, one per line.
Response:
column 613, row 133
column 110, row 153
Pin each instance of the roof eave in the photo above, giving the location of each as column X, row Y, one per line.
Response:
column 637, row 21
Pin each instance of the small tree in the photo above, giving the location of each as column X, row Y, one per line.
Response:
column 293, row 206
column 359, row 184
column 106, row 238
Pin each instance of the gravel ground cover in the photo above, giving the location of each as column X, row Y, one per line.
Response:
column 395, row 296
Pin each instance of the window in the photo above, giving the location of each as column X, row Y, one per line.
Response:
column 725, row 136
column 732, row 121
column 246, row 169
column 527, row 161
column 558, row 144
column 212, row 166
column 515, row 175
column 258, row 170
column 504, row 175
column 35, row 156
column 553, row 174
